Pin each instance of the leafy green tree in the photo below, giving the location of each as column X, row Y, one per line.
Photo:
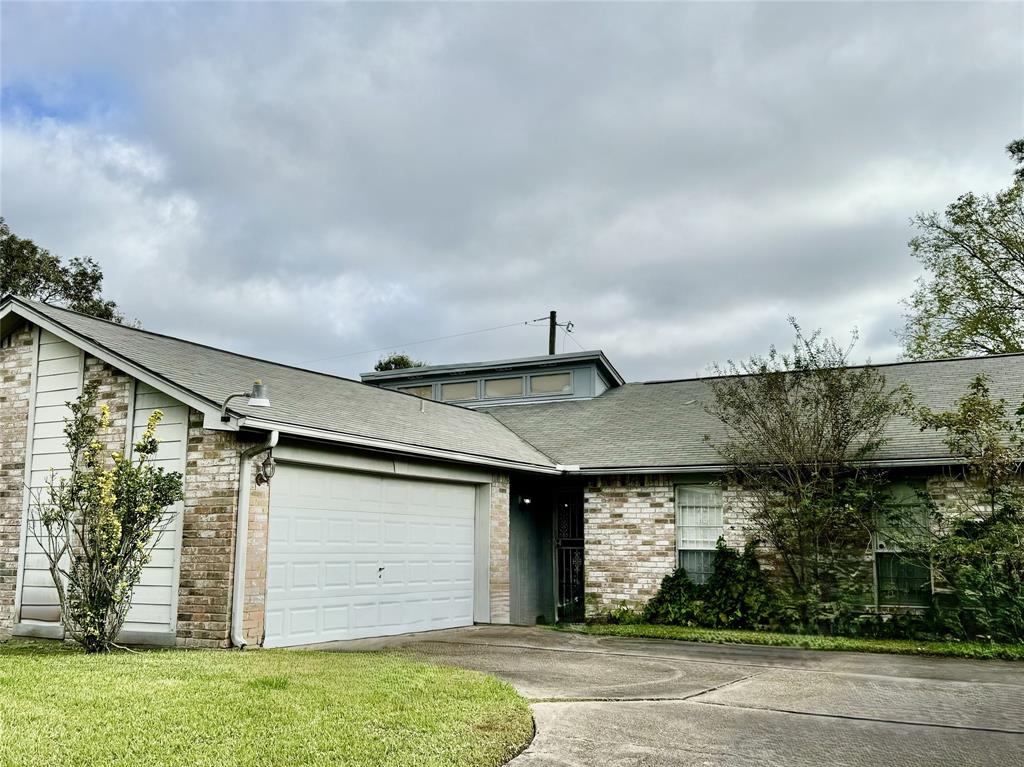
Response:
column 33, row 272
column 1016, row 150
column 97, row 525
column 972, row 299
column 976, row 548
column 982, row 430
column 397, row 361
column 799, row 426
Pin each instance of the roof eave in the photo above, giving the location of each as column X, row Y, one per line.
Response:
column 419, row 451
column 709, row 468
column 12, row 305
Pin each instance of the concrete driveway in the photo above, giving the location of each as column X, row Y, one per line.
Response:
column 613, row 701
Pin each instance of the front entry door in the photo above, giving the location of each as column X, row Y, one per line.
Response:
column 569, row 554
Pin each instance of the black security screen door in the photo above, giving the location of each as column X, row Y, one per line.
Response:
column 569, row 554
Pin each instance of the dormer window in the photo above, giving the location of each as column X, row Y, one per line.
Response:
column 426, row 392
column 523, row 381
column 462, row 390
column 551, row 383
column 503, row 387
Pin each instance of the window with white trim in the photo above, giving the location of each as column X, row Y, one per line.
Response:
column 698, row 528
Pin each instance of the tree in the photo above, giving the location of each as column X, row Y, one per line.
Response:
column 397, row 361
column 972, row 299
column 98, row 524
column 33, row 272
column 981, row 430
column 976, row 548
column 798, row 427
column 1016, row 151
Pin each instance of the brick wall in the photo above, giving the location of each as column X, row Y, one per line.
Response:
column 629, row 539
column 254, row 612
column 16, row 355
column 630, row 536
column 115, row 392
column 207, row 546
column 499, row 542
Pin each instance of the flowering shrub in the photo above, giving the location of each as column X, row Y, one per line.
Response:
column 98, row 523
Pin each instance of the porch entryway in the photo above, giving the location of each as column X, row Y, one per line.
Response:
column 546, row 553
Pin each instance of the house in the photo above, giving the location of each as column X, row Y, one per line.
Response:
column 511, row 491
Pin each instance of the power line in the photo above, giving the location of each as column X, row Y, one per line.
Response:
column 416, row 343
column 571, row 337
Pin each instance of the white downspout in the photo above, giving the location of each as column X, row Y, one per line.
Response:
column 242, row 535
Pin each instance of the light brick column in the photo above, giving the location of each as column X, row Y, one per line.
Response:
column 499, row 543
column 208, row 538
column 254, row 613
column 16, row 355
column 629, row 540
column 114, row 391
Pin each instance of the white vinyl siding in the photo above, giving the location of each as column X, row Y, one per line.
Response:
column 698, row 527
column 58, row 380
column 154, row 601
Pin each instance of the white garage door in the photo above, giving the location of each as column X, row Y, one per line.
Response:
column 359, row 555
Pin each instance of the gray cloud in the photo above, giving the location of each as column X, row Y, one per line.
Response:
column 298, row 181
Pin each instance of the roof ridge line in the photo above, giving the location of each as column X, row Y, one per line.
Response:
column 898, row 363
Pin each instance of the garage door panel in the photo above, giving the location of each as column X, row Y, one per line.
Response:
column 337, row 575
column 305, row 576
column 306, row 529
column 331, row 531
column 339, row 533
column 367, row 532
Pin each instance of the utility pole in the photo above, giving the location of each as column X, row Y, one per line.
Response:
column 552, row 330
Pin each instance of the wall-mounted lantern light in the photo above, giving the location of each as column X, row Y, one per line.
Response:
column 266, row 470
column 258, row 397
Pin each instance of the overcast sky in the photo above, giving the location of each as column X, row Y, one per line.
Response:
column 302, row 182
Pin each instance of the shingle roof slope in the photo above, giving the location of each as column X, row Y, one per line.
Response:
column 662, row 424
column 302, row 397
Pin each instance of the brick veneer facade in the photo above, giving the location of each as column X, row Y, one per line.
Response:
column 114, row 391
column 16, row 356
column 208, row 536
column 254, row 613
column 630, row 531
column 500, row 594
column 629, row 539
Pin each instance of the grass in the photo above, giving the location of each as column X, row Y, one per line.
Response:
column 948, row 649
column 269, row 707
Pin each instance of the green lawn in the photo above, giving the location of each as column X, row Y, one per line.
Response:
column 267, row 707
column 810, row 642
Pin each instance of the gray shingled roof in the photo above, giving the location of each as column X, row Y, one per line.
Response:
column 662, row 424
column 302, row 397
column 655, row 424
